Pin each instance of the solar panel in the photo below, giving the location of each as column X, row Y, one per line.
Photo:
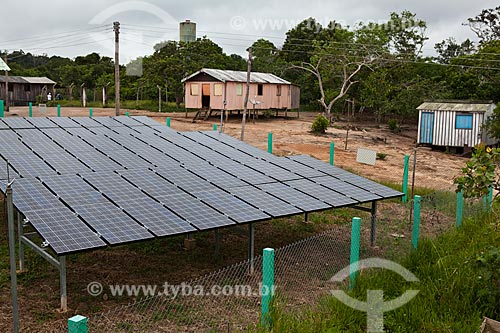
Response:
column 3, row 125
column 271, row 170
column 65, row 163
column 231, row 206
column 86, row 122
column 243, row 172
column 297, row 168
column 62, row 230
column 17, row 123
column 347, row 189
column 4, row 174
column 128, row 121
column 42, row 122
column 65, row 122
column 30, row 165
column 195, row 212
column 97, row 161
column 294, row 197
column 268, row 203
column 216, row 176
column 113, row 186
column 29, row 194
column 146, row 121
column 73, row 190
column 112, row 223
column 158, row 219
column 129, row 160
column 150, row 182
column 319, row 192
column 108, row 121
column 184, row 179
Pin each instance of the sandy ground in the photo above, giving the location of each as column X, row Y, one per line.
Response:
column 434, row 169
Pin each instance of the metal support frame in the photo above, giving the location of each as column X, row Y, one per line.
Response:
column 12, row 257
column 20, row 234
column 60, row 264
column 373, row 212
column 373, row 223
column 251, row 247
column 306, row 217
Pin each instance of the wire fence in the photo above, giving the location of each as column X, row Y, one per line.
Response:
column 230, row 299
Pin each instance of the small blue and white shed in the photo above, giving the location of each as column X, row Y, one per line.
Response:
column 454, row 124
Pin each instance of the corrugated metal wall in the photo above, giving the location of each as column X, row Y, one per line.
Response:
column 445, row 133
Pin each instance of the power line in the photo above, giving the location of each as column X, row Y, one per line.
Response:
column 50, row 36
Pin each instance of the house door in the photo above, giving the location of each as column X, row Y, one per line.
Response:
column 427, row 127
column 205, row 96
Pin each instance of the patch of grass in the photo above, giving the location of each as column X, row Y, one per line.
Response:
column 450, row 289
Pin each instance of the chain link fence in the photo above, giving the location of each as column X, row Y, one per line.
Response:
column 230, row 299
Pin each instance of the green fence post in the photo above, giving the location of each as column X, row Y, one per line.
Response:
column 332, row 153
column 490, row 198
column 270, row 142
column 127, row 114
column 267, row 284
column 78, row 324
column 215, row 127
column 416, row 221
column 58, row 110
column 355, row 243
column 91, row 113
column 405, row 178
column 30, row 105
column 1, row 109
column 168, row 121
column 460, row 209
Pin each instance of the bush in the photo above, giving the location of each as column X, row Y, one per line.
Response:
column 381, row 156
column 393, row 125
column 320, row 124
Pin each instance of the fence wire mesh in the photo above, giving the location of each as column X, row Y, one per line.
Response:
column 302, row 271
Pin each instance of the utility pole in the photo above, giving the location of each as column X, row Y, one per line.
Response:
column 6, row 85
column 116, row 28
column 245, row 108
column 159, row 97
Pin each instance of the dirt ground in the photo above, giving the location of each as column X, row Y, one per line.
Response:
column 166, row 260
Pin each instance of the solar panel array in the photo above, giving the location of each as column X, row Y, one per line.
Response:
column 85, row 183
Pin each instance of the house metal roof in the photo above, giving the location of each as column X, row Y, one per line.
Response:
column 238, row 76
column 28, row 79
column 457, row 107
column 3, row 66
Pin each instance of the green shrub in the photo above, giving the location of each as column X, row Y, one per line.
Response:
column 381, row 156
column 320, row 125
column 393, row 125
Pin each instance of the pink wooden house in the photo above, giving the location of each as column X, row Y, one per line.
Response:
column 209, row 88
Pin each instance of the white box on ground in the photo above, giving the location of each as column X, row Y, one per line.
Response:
column 366, row 156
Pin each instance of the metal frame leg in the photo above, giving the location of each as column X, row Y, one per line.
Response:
column 251, row 247
column 12, row 257
column 373, row 223
column 62, row 282
column 21, row 246
column 306, row 217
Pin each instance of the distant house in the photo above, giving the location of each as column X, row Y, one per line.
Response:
column 454, row 123
column 23, row 89
column 209, row 88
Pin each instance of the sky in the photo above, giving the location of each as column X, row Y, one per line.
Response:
column 60, row 27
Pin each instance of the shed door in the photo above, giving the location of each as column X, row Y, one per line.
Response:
column 427, row 127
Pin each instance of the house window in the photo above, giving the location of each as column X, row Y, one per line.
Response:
column 27, row 87
column 463, row 121
column 11, row 87
column 278, row 90
column 260, row 90
column 218, row 89
column 194, row 89
column 239, row 89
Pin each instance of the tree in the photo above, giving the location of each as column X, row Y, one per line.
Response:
column 492, row 125
column 480, row 173
column 486, row 25
column 449, row 49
